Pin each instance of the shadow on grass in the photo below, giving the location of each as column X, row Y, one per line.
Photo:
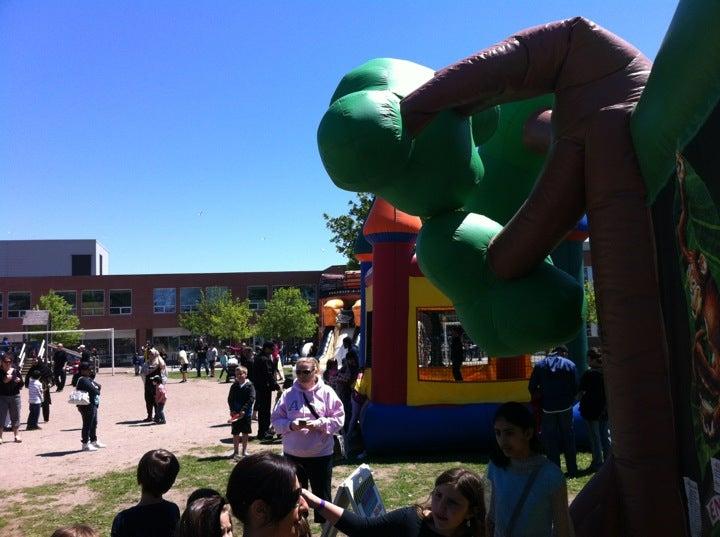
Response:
column 214, row 458
column 59, row 453
column 404, row 458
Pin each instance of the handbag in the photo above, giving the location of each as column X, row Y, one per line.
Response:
column 338, row 444
column 79, row 398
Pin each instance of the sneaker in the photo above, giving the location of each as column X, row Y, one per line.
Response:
column 89, row 447
column 18, row 439
column 98, row 444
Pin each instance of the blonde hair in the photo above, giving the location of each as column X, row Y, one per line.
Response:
column 241, row 368
column 308, row 360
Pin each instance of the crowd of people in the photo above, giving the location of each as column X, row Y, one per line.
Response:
column 267, row 493
column 315, row 415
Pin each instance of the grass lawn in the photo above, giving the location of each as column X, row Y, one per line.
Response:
column 39, row 510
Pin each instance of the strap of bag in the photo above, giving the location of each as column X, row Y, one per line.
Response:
column 521, row 501
column 311, row 407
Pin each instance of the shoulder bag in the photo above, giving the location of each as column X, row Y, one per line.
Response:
column 79, row 398
column 521, row 501
column 338, row 444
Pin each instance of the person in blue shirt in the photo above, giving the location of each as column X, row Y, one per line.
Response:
column 553, row 381
column 529, row 493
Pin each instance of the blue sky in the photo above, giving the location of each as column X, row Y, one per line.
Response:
column 181, row 135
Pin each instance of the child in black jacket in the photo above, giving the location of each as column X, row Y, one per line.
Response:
column 240, row 400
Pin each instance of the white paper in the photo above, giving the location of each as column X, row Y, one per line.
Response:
column 693, row 502
column 715, row 463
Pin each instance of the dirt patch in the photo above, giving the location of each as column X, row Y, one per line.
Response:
column 196, row 414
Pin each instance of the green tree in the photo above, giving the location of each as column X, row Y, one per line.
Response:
column 220, row 316
column 345, row 228
column 592, row 316
column 287, row 316
column 61, row 318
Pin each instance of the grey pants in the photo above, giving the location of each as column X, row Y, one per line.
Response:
column 11, row 404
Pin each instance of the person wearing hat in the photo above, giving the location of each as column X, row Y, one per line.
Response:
column 89, row 413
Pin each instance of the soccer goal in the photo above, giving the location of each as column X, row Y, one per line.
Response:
column 104, row 344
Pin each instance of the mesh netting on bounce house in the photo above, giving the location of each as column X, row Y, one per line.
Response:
column 501, row 154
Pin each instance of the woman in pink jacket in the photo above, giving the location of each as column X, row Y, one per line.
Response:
column 307, row 416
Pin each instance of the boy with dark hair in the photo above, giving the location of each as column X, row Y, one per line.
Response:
column 240, row 400
column 152, row 516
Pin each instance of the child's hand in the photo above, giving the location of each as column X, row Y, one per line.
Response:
column 241, row 415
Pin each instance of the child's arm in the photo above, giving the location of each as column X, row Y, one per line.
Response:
column 250, row 400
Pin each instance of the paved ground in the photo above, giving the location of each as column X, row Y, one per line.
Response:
column 196, row 412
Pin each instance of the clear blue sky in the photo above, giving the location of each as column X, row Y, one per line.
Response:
column 182, row 134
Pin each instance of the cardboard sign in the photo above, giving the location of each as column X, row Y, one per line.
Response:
column 359, row 494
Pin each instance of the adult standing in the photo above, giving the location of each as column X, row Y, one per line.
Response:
column 60, row 359
column 457, row 353
column 553, row 382
column 593, row 408
column 10, row 385
column 183, row 359
column 201, row 358
column 347, row 344
column 265, row 384
column 345, row 380
column 308, row 416
column 212, row 356
column 89, row 413
column 247, row 359
column 154, row 366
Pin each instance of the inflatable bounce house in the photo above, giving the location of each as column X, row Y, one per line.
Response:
column 409, row 325
column 339, row 296
column 631, row 144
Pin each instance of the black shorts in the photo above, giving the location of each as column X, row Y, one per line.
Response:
column 183, row 368
column 241, row 426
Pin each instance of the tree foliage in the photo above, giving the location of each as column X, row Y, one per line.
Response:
column 345, row 228
column 287, row 316
column 592, row 316
column 61, row 318
column 220, row 316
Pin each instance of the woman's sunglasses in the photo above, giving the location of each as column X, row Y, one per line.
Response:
column 304, row 371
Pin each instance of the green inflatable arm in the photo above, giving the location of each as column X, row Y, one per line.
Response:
column 439, row 175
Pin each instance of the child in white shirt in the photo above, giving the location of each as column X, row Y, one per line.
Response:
column 35, row 396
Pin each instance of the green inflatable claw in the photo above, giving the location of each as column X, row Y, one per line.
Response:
column 364, row 147
column 503, row 317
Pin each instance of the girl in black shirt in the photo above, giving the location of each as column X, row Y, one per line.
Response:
column 456, row 508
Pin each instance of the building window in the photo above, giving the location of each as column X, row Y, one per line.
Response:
column 309, row 293
column 257, row 295
column 70, row 297
column 164, row 300
column 18, row 303
column 120, row 302
column 214, row 293
column 92, row 302
column 189, row 298
column 81, row 265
